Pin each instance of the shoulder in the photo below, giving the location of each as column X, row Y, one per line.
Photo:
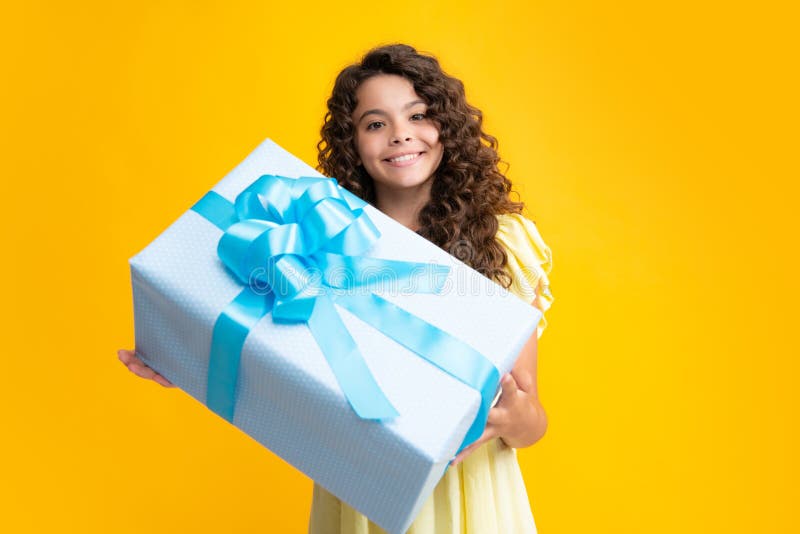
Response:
column 530, row 261
column 521, row 238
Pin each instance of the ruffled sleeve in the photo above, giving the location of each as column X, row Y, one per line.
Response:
column 529, row 262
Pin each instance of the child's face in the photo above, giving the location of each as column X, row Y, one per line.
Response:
column 398, row 146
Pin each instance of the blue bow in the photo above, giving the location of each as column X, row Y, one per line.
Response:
column 297, row 246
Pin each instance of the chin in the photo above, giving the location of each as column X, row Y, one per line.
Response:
column 406, row 183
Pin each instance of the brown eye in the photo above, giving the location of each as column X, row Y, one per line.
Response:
column 374, row 125
column 417, row 116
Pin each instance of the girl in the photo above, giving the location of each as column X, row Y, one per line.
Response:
column 400, row 134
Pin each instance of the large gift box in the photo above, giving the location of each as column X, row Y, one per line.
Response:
column 354, row 349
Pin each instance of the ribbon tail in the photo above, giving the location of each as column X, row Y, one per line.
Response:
column 227, row 340
column 436, row 346
column 347, row 363
column 347, row 272
column 217, row 209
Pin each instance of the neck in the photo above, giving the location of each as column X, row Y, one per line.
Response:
column 403, row 205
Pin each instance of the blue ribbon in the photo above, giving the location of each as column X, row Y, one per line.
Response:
column 297, row 246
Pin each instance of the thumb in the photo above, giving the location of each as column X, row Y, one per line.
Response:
column 509, row 385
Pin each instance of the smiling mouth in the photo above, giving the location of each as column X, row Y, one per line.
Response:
column 404, row 158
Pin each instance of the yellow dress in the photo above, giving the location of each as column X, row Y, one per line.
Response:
column 484, row 494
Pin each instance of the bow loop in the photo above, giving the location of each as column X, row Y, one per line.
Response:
column 236, row 244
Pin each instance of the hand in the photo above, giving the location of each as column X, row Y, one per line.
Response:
column 138, row 367
column 505, row 419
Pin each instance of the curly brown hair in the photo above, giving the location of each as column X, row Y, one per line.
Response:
column 468, row 190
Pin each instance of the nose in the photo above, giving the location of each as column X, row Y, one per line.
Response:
column 400, row 135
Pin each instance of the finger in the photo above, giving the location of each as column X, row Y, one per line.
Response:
column 142, row 370
column 496, row 417
column 467, row 451
column 488, row 434
column 126, row 356
column 163, row 381
column 462, row 456
column 129, row 357
column 139, row 368
column 524, row 380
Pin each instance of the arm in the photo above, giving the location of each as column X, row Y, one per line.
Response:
column 524, row 421
column 528, row 419
column 518, row 419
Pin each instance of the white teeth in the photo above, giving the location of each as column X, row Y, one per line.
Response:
column 404, row 158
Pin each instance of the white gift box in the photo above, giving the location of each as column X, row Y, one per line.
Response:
column 287, row 396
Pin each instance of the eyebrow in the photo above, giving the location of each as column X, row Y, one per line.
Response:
column 381, row 112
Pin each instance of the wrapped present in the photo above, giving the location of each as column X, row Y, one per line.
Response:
column 354, row 349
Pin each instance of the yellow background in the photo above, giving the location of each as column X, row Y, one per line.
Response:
column 655, row 147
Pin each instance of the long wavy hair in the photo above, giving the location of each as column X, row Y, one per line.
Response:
column 468, row 190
